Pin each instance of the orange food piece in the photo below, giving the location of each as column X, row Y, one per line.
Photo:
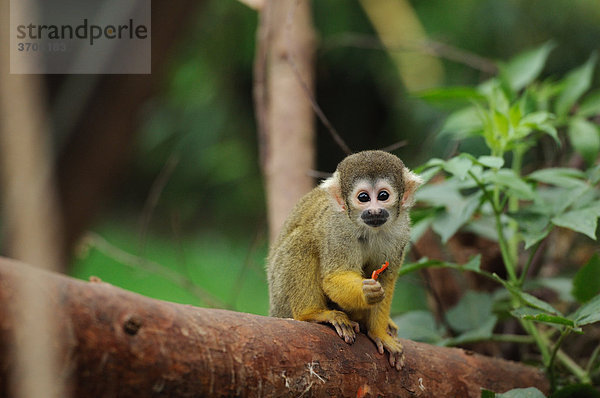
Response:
column 380, row 270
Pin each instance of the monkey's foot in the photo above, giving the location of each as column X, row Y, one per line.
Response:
column 392, row 345
column 344, row 327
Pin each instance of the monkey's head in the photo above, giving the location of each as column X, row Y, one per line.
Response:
column 373, row 187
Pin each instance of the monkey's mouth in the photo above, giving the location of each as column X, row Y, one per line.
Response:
column 374, row 221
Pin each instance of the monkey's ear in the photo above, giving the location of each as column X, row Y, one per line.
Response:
column 333, row 188
column 412, row 181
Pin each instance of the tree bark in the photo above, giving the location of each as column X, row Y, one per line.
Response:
column 283, row 80
column 31, row 219
column 121, row 344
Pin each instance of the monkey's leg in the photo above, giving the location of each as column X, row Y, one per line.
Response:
column 378, row 327
column 392, row 328
column 307, row 302
column 344, row 327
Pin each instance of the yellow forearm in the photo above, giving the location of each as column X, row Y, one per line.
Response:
column 345, row 289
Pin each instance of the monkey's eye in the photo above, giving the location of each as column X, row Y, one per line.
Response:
column 383, row 196
column 363, row 197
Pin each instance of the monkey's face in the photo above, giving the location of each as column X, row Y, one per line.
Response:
column 373, row 202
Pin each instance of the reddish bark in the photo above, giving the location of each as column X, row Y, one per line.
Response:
column 121, row 344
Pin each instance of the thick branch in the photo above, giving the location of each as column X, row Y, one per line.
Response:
column 125, row 345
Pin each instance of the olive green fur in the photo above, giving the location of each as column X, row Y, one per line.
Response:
column 320, row 238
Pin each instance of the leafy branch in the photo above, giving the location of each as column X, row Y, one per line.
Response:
column 492, row 196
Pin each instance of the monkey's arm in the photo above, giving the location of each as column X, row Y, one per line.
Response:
column 345, row 288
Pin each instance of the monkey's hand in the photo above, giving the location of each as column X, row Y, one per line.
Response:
column 373, row 291
column 392, row 345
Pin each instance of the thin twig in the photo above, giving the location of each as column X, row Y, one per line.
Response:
column 458, row 55
column 557, row 345
column 394, row 146
column 94, row 240
column 154, row 195
column 241, row 277
column 593, row 357
column 322, row 175
column 431, row 47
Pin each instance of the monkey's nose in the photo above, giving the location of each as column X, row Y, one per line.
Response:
column 374, row 217
column 375, row 212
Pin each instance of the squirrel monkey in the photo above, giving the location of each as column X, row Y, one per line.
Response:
column 320, row 265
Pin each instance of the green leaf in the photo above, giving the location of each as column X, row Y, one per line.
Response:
column 448, row 223
column 529, row 392
column 428, row 174
column 534, row 226
column 493, row 162
column 561, row 177
column 515, row 184
column 576, row 83
column 487, row 393
column 422, row 263
column 472, row 265
column 484, row 331
column 534, row 236
column 561, row 285
column 585, row 138
column 588, row 200
column 540, row 316
column 537, row 303
column 463, row 123
column 586, row 283
column 527, row 298
column 590, row 106
column 526, row 67
column 551, row 131
column 515, row 114
column 536, row 118
column 541, row 121
column 501, row 124
column 588, row 313
column 444, row 194
column 484, row 225
column 593, row 174
column 431, row 163
column 458, row 166
column 418, row 326
column 419, row 228
column 554, row 201
column 577, row 391
column 581, row 220
column 473, row 309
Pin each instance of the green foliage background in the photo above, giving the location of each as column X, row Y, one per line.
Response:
column 209, row 221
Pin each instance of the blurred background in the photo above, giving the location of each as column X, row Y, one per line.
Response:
column 159, row 180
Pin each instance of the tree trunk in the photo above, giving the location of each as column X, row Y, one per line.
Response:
column 121, row 344
column 283, row 76
column 92, row 162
